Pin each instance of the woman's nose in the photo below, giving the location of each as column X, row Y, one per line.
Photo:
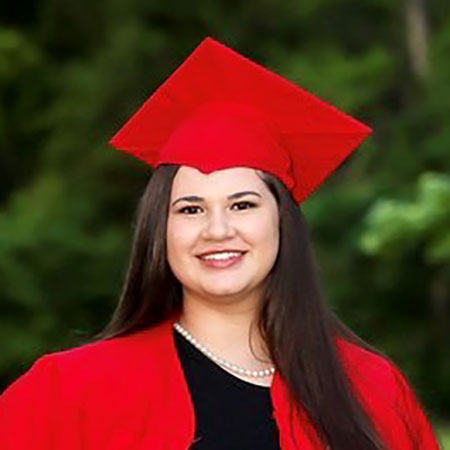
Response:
column 217, row 226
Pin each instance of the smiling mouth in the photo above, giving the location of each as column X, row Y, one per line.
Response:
column 221, row 260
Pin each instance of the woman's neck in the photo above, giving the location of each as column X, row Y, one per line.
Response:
column 224, row 328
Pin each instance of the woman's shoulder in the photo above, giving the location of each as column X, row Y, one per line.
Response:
column 365, row 361
column 388, row 396
column 115, row 350
column 93, row 388
column 123, row 346
column 99, row 362
column 370, row 369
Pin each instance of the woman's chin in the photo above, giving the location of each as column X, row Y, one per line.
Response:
column 225, row 291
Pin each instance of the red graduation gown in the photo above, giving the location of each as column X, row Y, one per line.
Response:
column 130, row 393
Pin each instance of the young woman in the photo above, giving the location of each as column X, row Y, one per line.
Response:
column 222, row 338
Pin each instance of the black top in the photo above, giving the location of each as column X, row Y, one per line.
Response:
column 231, row 414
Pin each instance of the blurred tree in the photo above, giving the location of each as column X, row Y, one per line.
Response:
column 417, row 36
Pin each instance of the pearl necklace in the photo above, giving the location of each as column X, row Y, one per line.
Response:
column 216, row 359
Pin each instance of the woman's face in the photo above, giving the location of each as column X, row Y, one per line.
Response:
column 229, row 210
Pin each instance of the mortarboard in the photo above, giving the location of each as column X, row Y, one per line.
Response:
column 220, row 109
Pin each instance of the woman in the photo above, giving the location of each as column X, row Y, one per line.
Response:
column 221, row 338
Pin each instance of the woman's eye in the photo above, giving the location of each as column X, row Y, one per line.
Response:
column 190, row 210
column 246, row 205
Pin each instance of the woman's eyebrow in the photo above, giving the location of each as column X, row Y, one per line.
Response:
column 195, row 198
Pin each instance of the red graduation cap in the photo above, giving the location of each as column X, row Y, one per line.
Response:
column 220, row 110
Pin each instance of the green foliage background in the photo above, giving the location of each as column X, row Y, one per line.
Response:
column 71, row 72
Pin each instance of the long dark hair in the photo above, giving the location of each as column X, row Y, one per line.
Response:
column 295, row 321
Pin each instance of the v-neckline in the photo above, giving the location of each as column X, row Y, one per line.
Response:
column 217, row 368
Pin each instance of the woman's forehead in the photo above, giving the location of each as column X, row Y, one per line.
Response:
column 190, row 178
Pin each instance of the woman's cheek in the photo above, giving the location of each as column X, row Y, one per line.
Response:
column 185, row 237
column 260, row 229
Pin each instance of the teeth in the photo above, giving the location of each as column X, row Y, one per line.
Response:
column 221, row 256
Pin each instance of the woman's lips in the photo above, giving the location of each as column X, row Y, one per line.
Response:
column 222, row 263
